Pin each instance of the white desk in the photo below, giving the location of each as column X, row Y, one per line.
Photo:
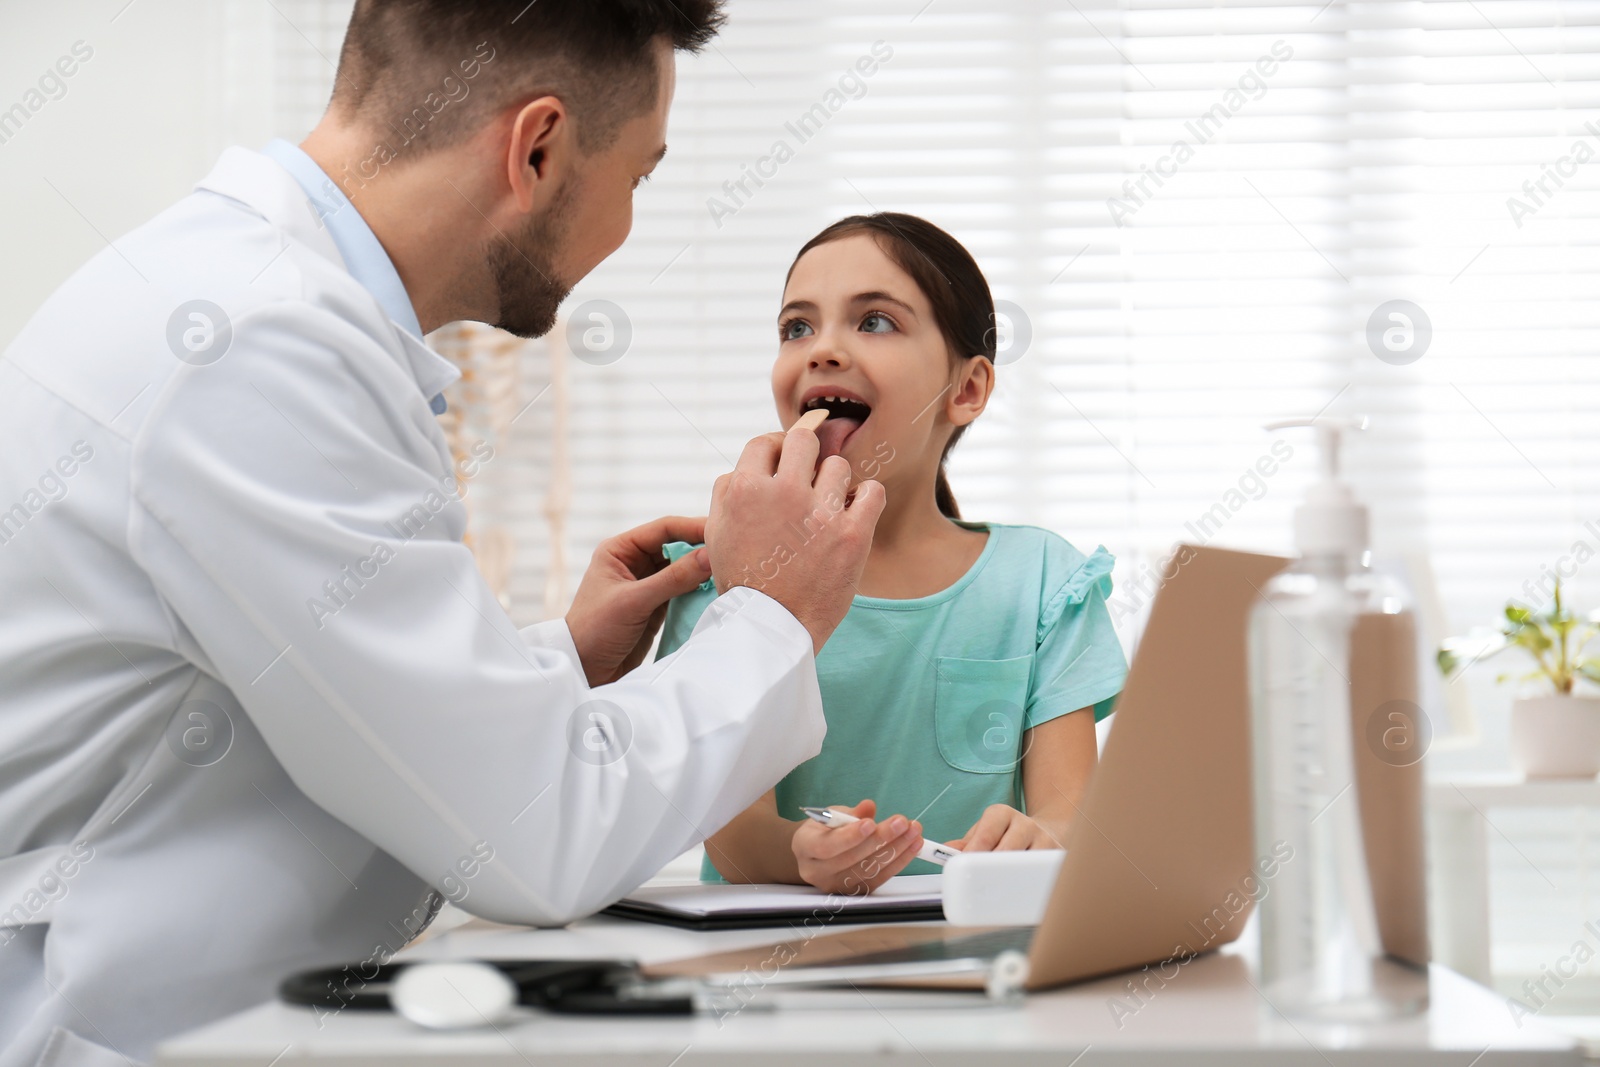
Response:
column 1209, row 1015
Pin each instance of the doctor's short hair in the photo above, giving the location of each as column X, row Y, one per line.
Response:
column 426, row 74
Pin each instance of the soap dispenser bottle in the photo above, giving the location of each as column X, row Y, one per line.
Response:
column 1321, row 942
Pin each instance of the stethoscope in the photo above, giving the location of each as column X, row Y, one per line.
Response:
column 459, row 995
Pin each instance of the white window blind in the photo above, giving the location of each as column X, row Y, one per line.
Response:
column 1372, row 164
column 1194, row 210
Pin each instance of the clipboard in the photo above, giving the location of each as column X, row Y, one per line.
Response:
column 907, row 898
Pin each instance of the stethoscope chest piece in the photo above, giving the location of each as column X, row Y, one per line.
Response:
column 453, row 996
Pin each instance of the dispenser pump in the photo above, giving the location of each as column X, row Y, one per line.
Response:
column 1331, row 521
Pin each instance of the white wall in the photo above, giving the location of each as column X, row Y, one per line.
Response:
column 169, row 83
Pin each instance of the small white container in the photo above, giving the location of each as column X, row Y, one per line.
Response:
column 1556, row 736
column 1000, row 888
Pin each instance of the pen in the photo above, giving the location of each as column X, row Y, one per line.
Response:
column 932, row 851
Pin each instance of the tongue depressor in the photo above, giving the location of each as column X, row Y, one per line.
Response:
column 811, row 420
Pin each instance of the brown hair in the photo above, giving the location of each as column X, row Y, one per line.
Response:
column 949, row 277
column 431, row 72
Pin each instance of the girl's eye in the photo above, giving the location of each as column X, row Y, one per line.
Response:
column 794, row 328
column 877, row 322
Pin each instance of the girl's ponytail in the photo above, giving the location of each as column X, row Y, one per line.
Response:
column 943, row 496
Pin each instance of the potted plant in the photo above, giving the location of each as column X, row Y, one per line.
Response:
column 1555, row 734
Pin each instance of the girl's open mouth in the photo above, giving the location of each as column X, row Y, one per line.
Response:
column 845, row 416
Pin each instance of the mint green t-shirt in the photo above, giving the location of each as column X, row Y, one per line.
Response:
column 927, row 700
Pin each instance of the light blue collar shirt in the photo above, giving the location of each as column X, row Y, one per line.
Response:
column 363, row 254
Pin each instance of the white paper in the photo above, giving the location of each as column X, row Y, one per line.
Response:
column 704, row 900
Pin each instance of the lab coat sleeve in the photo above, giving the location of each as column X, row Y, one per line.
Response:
column 554, row 635
column 295, row 508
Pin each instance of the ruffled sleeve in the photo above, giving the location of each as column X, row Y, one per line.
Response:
column 1079, row 662
column 1092, row 576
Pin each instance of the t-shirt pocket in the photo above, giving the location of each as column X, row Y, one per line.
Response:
column 978, row 712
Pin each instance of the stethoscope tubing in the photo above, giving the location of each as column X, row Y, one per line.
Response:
column 576, row 987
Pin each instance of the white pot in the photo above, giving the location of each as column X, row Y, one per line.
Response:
column 1556, row 736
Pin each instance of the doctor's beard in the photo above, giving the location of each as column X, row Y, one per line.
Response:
column 524, row 276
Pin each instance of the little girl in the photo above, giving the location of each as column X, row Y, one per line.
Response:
column 962, row 689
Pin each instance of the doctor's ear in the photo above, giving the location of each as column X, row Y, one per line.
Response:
column 970, row 392
column 540, row 141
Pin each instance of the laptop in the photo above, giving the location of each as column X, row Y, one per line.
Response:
column 1161, row 861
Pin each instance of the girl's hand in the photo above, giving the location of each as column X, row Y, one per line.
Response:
column 859, row 857
column 1003, row 828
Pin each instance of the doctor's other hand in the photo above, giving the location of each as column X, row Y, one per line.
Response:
column 858, row 857
column 776, row 490
column 623, row 597
column 1002, row 828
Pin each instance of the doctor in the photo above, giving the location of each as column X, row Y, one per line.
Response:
column 257, row 709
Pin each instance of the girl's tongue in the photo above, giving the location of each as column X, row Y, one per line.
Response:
column 833, row 433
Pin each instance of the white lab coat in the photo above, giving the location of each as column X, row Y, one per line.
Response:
column 167, row 529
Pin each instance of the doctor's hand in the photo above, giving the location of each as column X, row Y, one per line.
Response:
column 623, row 597
column 859, row 857
column 792, row 529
